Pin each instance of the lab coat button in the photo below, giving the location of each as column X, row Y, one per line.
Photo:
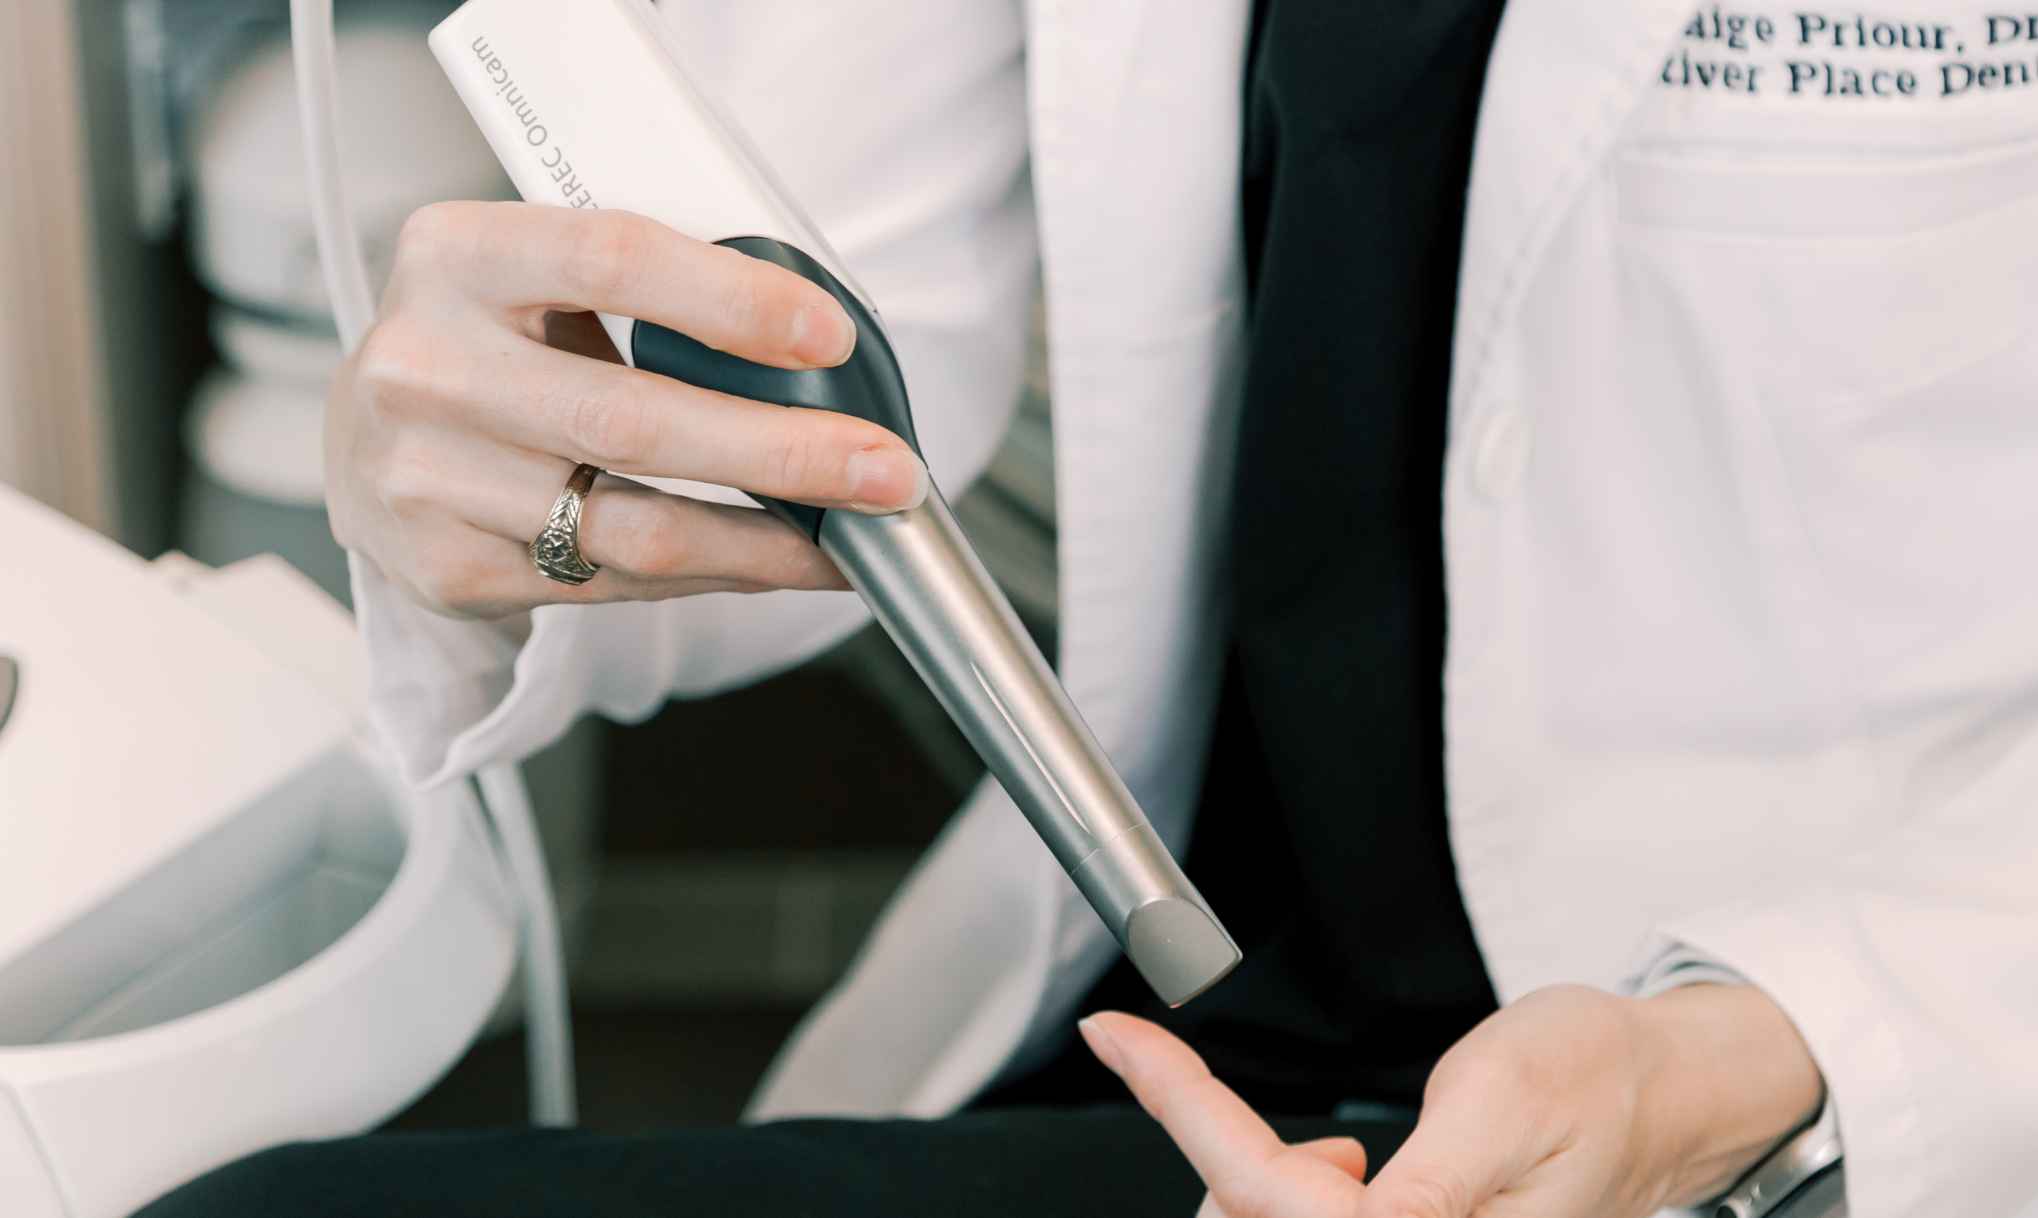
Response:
column 1502, row 454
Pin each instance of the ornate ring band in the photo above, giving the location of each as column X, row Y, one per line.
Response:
column 556, row 550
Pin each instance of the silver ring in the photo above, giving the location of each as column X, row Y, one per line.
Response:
column 556, row 551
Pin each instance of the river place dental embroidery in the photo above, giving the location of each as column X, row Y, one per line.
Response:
column 1819, row 55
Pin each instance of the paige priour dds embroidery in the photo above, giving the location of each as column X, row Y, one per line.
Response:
column 1822, row 55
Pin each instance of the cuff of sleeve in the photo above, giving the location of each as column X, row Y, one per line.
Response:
column 1802, row 954
column 1678, row 964
column 448, row 697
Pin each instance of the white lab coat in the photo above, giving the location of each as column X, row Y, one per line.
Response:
column 1690, row 704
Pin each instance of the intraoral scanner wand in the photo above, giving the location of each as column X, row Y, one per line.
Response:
column 587, row 105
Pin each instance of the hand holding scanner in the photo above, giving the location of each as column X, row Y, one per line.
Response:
column 586, row 103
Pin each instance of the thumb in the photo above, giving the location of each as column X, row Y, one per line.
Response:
column 1448, row 1168
column 1344, row 1153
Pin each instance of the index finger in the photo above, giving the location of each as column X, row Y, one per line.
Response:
column 523, row 255
column 632, row 422
column 1221, row 1136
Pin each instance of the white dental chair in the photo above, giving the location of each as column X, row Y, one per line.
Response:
column 222, row 926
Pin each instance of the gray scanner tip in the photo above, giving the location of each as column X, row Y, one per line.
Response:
column 1178, row 948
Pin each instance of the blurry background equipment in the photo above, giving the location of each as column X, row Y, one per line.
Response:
column 403, row 144
column 222, row 925
column 253, row 434
column 253, row 429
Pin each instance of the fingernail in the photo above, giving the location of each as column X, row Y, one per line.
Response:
column 886, row 479
column 823, row 335
column 1101, row 1044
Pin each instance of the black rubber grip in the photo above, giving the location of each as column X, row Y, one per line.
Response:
column 867, row 385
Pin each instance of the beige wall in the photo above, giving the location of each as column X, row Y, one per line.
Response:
column 52, row 398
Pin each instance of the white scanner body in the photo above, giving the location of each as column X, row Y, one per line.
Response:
column 686, row 164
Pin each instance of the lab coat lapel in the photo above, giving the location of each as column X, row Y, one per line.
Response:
column 1564, row 76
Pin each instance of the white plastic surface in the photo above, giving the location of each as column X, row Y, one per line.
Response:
column 277, row 609
column 25, row 1184
column 140, row 722
column 319, row 1049
column 221, row 926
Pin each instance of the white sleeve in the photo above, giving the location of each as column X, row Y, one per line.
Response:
column 902, row 130
column 1910, row 965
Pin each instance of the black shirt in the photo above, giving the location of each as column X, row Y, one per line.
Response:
column 1321, row 837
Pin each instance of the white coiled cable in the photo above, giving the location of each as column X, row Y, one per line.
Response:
column 549, row 1032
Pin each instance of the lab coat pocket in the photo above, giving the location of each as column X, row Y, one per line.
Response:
column 1863, row 272
column 1871, row 331
column 1921, row 502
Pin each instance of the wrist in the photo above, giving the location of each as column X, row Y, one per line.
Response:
column 1730, row 1078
